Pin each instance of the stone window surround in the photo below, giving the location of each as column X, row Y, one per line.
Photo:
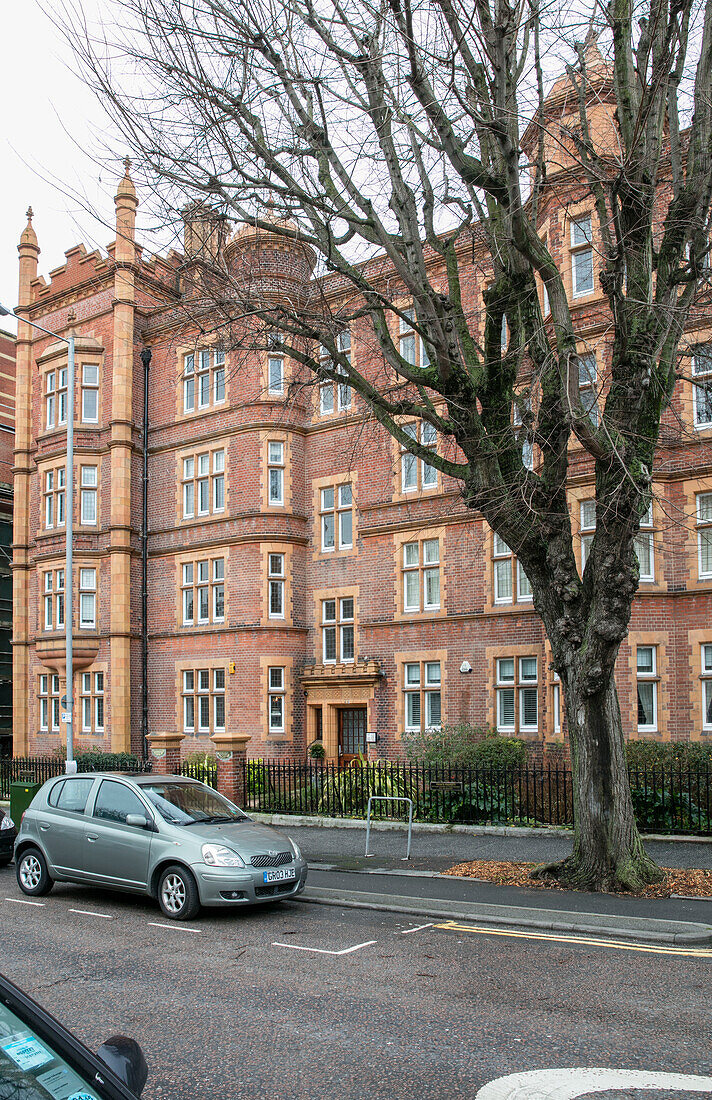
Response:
column 204, row 344
column 696, row 639
column 337, row 593
column 81, row 458
column 208, row 553
column 279, row 435
column 397, row 452
column 56, row 360
column 280, row 660
column 572, row 214
column 319, row 483
column 337, row 411
column 405, row 657
column 579, row 493
column 287, row 551
column 701, row 335
column 195, row 449
column 629, row 712
column 211, row 662
column 420, row 535
column 690, row 490
column 493, row 653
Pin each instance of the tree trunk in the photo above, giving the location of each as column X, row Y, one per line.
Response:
column 608, row 853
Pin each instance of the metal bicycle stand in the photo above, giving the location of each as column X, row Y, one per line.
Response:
column 389, row 798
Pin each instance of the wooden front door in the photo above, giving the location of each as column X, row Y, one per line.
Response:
column 352, row 733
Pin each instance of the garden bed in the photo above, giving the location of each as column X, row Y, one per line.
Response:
column 688, row 882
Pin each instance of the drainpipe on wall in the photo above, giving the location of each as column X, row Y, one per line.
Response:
column 146, row 360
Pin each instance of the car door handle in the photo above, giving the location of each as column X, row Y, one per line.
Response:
column 92, row 837
column 44, row 828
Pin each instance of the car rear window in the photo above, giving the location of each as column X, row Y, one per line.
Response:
column 73, row 795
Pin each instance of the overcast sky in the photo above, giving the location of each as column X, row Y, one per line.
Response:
column 48, row 121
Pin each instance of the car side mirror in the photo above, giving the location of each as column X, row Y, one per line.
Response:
column 125, row 1057
column 137, row 820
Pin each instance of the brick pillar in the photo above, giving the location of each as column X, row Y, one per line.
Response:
column 165, row 752
column 231, row 751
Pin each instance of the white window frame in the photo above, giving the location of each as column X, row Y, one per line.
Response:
column 646, row 677
column 189, row 383
column 587, row 529
column 275, row 375
column 87, row 597
column 704, row 533
column 506, row 684
column 188, row 695
column 527, row 685
column 276, row 465
column 702, row 390
column 276, row 584
column 579, row 249
column 89, row 494
column 706, row 680
column 646, row 536
column 90, row 387
column 329, row 629
column 276, row 691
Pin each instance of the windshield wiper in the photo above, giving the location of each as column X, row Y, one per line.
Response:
column 214, row 820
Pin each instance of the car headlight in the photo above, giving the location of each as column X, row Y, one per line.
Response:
column 296, row 849
column 7, row 822
column 217, row 855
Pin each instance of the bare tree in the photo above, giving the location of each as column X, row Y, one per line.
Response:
column 397, row 140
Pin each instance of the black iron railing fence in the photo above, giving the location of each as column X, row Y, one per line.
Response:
column 36, row 769
column 666, row 800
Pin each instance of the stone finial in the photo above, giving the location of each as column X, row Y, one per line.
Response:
column 29, row 237
column 126, row 189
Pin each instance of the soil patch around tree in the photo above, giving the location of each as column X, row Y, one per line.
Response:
column 686, row 882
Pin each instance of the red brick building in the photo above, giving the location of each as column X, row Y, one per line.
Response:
column 305, row 579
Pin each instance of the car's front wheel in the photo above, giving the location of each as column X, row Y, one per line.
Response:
column 32, row 874
column 178, row 894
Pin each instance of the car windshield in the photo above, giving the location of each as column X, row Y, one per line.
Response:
column 191, row 803
column 30, row 1069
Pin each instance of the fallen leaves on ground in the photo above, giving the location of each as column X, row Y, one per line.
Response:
column 689, row 881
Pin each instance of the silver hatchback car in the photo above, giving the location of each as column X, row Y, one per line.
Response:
column 172, row 838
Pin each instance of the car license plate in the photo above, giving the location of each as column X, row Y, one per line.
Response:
column 283, row 875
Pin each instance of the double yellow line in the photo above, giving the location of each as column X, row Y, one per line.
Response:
column 585, row 941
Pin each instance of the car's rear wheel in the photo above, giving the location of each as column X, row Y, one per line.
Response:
column 178, row 894
column 32, row 874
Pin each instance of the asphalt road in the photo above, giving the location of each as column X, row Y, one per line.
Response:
column 228, row 1007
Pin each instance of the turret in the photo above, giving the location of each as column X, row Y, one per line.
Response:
column 29, row 252
column 126, row 203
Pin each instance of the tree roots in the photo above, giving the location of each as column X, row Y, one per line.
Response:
column 629, row 875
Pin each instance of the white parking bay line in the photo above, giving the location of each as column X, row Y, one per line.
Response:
column 21, row 901
column 174, row 927
column 91, row 913
column 322, row 950
column 419, row 928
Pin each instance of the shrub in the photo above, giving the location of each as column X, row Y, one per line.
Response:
column 317, row 750
column 464, row 745
column 685, row 755
column 98, row 761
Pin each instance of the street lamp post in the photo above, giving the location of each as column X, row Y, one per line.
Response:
column 68, row 709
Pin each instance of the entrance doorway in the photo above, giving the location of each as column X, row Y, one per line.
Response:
column 352, row 733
